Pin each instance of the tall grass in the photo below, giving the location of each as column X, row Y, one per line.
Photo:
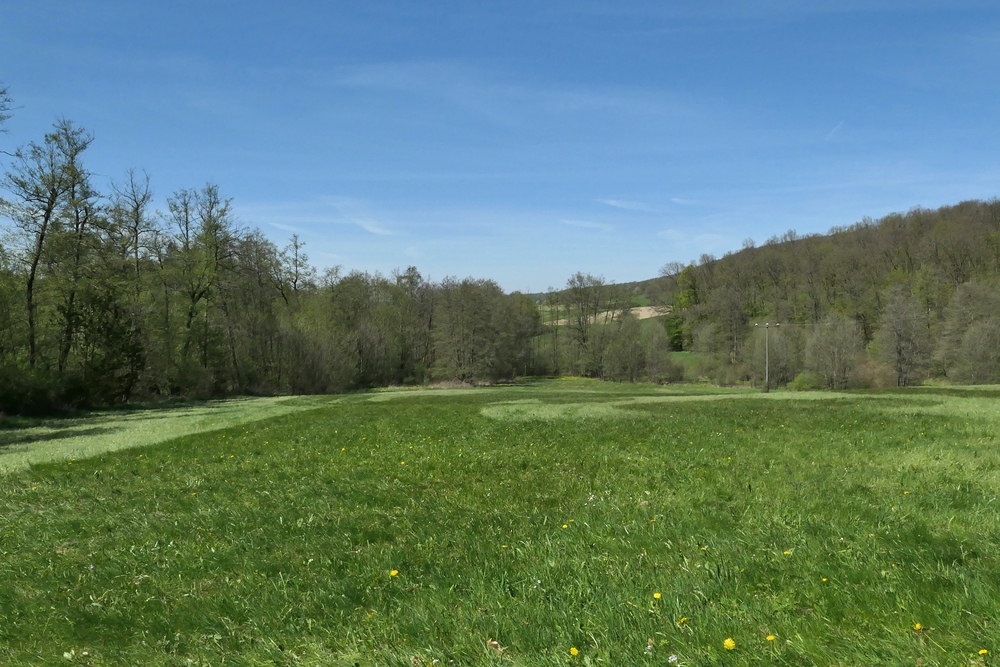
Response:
column 565, row 523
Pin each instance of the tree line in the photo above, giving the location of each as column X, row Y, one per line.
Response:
column 104, row 300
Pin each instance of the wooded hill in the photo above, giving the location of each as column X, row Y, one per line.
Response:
column 104, row 300
column 881, row 302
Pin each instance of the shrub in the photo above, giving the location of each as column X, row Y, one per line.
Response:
column 807, row 381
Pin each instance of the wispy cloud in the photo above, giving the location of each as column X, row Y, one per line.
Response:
column 371, row 226
column 586, row 224
column 836, row 128
column 501, row 100
column 287, row 228
column 628, row 205
column 308, row 217
column 696, row 243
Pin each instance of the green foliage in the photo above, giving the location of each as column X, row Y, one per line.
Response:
column 104, row 301
column 674, row 325
column 807, row 381
column 480, row 333
column 407, row 527
column 687, row 289
column 854, row 272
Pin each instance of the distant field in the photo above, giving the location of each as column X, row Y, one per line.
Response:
column 565, row 522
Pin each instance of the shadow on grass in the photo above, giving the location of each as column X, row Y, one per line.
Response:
column 12, row 438
column 124, row 413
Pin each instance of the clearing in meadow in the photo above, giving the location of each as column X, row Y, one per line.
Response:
column 561, row 522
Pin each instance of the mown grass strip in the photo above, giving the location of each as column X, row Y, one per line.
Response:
column 27, row 442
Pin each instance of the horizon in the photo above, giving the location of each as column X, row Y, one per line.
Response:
column 524, row 143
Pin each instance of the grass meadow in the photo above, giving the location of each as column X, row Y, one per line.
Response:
column 554, row 523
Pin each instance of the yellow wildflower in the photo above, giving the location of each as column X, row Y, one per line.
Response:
column 565, row 525
column 788, row 553
column 983, row 651
column 656, row 596
column 770, row 638
column 393, row 573
column 574, row 650
column 917, row 626
column 729, row 644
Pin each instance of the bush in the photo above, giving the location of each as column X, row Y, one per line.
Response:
column 728, row 375
column 667, row 371
column 807, row 381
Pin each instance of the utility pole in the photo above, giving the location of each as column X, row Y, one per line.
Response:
column 767, row 356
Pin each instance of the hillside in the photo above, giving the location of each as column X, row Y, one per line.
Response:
column 892, row 301
column 913, row 290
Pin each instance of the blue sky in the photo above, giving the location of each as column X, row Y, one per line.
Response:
column 523, row 141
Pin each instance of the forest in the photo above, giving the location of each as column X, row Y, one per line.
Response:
column 889, row 302
column 104, row 300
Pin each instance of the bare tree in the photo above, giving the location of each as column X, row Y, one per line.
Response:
column 5, row 104
column 965, row 350
column 903, row 336
column 833, row 349
column 130, row 202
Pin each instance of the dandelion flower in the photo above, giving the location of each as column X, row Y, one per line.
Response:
column 983, row 651
column 729, row 644
column 656, row 596
column 574, row 650
column 682, row 620
column 393, row 573
column 788, row 553
column 824, row 580
column 917, row 626
column 565, row 525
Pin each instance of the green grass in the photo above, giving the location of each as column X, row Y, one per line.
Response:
column 544, row 517
column 640, row 300
column 27, row 442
